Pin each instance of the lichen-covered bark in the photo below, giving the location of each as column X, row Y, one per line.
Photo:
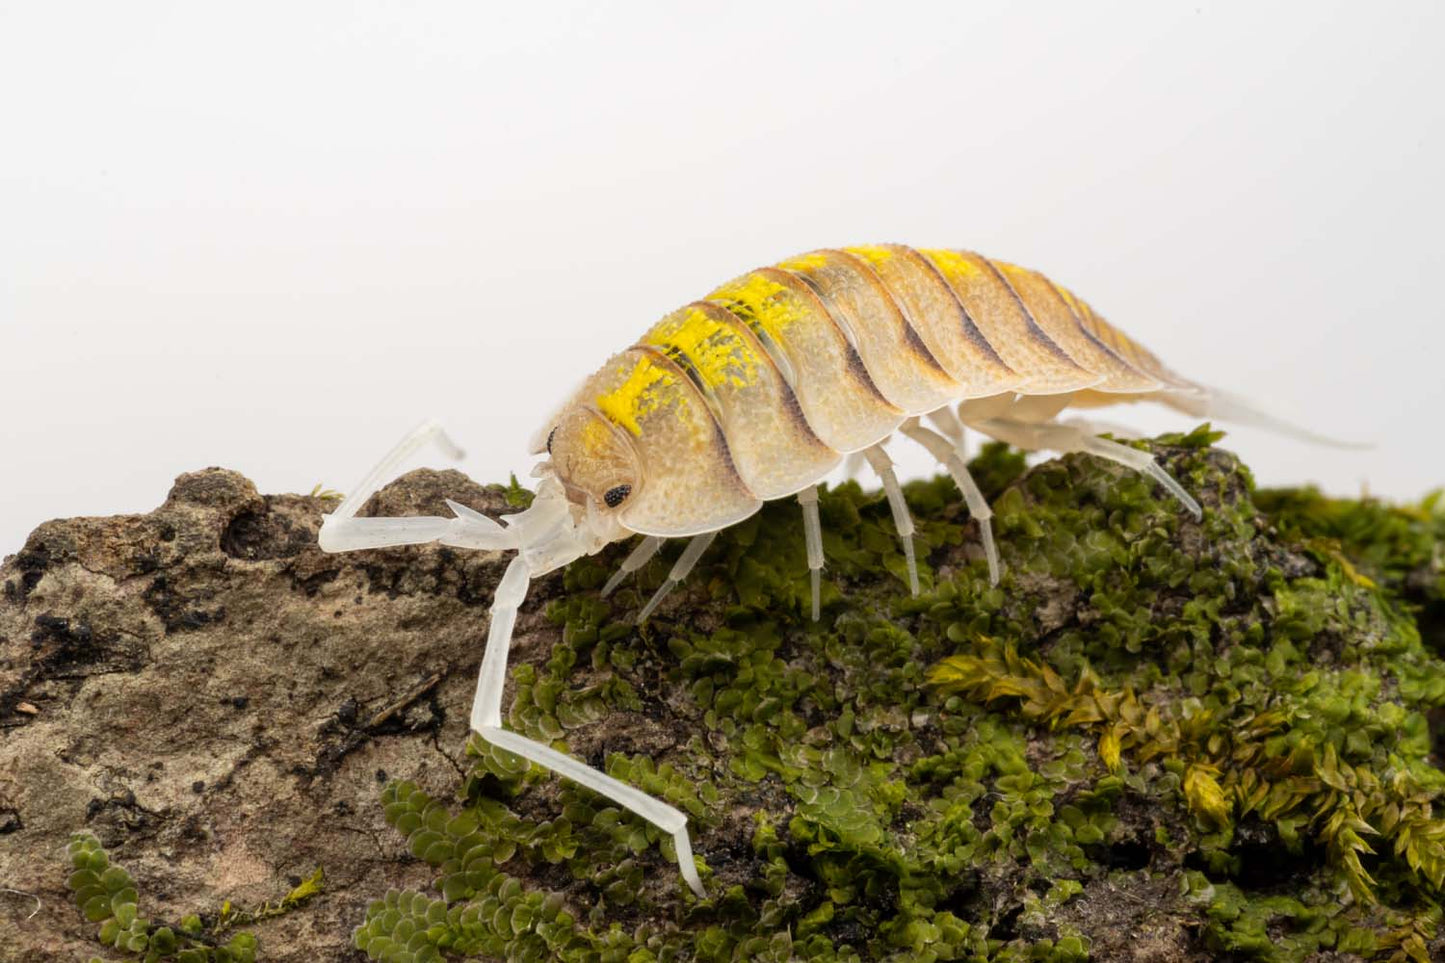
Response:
column 1155, row 740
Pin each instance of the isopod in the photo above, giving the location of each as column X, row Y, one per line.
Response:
column 758, row 391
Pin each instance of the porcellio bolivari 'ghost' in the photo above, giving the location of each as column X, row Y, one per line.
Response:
column 757, row 392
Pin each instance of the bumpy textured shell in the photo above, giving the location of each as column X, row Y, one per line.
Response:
column 757, row 391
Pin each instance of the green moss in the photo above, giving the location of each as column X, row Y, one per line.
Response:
column 107, row 895
column 1395, row 545
column 516, row 495
column 1231, row 717
column 941, row 778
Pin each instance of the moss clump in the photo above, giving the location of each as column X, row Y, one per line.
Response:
column 1157, row 738
column 107, row 895
column 1231, row 713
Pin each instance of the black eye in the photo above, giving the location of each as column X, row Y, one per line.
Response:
column 616, row 496
column 550, row 435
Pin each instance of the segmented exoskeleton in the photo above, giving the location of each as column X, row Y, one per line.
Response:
column 758, row 391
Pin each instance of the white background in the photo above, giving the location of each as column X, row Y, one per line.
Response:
column 274, row 236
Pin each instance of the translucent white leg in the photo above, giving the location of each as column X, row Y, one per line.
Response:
column 639, row 557
column 981, row 409
column 342, row 531
column 813, row 537
column 384, row 469
column 947, row 422
column 487, row 721
column 655, row 811
column 971, row 494
column 883, row 467
column 680, row 570
column 1140, row 461
column 948, row 456
column 1069, row 438
column 1092, row 426
column 853, row 464
column 1013, row 433
column 511, row 591
column 1036, row 409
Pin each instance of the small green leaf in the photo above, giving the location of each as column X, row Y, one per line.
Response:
column 97, row 909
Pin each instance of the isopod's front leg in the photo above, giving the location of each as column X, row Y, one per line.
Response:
column 342, row 531
column 1065, row 438
column 639, row 556
column 487, row 722
column 680, row 570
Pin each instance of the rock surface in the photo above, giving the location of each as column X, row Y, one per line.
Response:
column 218, row 700
column 227, row 709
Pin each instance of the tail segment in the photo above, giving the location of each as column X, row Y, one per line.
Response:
column 1213, row 403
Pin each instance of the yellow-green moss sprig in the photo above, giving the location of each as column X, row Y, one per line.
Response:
column 107, row 895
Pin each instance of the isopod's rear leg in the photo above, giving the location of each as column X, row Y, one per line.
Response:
column 1139, row 461
column 813, row 537
column 487, row 721
column 1064, row 438
column 639, row 557
column 882, row 466
column 947, row 454
column 1092, row 426
column 680, row 570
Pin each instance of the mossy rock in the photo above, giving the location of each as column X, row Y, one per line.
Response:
column 1156, row 739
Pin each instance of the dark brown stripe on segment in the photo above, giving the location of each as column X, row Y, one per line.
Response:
column 679, row 361
column 686, row 375
column 970, row 329
column 681, row 365
column 760, row 342
column 1142, row 357
column 804, row 291
column 839, row 322
column 1132, row 353
column 1086, row 328
column 812, row 285
column 1033, row 323
column 771, row 350
column 910, row 332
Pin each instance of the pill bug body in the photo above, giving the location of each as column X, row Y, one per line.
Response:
column 759, row 390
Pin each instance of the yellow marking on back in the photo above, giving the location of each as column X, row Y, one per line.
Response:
column 952, row 263
column 1070, row 300
column 805, row 262
column 636, row 397
column 596, row 437
column 1008, row 268
column 716, row 351
column 1113, row 338
column 871, row 253
column 761, row 302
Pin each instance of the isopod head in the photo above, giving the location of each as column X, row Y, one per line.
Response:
column 594, row 460
column 638, row 446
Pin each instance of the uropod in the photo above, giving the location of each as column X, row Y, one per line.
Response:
column 758, row 391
